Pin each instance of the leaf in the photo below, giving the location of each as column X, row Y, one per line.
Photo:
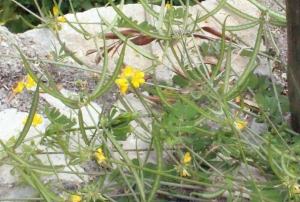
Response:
column 183, row 111
column 284, row 103
column 208, row 48
column 121, row 132
column 273, row 195
column 150, row 175
column 115, row 173
column 199, row 144
column 144, row 25
column 180, row 81
column 178, row 13
column 59, row 122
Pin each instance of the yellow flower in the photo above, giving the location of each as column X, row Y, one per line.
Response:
column 185, row 173
column 168, row 6
column 76, row 198
column 187, row 157
column 30, row 82
column 100, row 156
column 37, row 119
column 135, row 78
column 240, row 124
column 237, row 99
column 19, row 87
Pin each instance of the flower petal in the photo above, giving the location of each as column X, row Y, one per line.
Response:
column 76, row 198
column 55, row 11
column 62, row 19
column 240, row 124
column 19, row 88
column 138, row 73
column 37, row 119
column 135, row 82
column 124, row 88
column 128, row 72
column 30, row 82
column 187, row 157
column 185, row 173
column 100, row 156
column 138, row 78
column 25, row 120
column 121, row 81
column 123, row 84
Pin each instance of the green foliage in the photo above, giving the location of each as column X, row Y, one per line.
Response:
column 178, row 122
column 177, row 13
column 198, row 144
column 266, row 98
column 11, row 11
column 180, row 81
column 59, row 122
column 209, row 49
column 120, row 125
column 143, row 25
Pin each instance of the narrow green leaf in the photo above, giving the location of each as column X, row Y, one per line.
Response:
column 32, row 112
column 48, row 195
column 272, row 13
column 238, row 12
column 221, row 55
column 111, row 81
column 228, row 61
column 242, row 27
column 159, row 160
column 81, row 126
column 240, row 84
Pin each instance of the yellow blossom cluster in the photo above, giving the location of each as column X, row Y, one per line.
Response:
column 130, row 76
column 240, row 124
column 186, row 159
column 58, row 18
column 184, row 164
column 37, row 119
column 20, row 85
column 100, row 156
